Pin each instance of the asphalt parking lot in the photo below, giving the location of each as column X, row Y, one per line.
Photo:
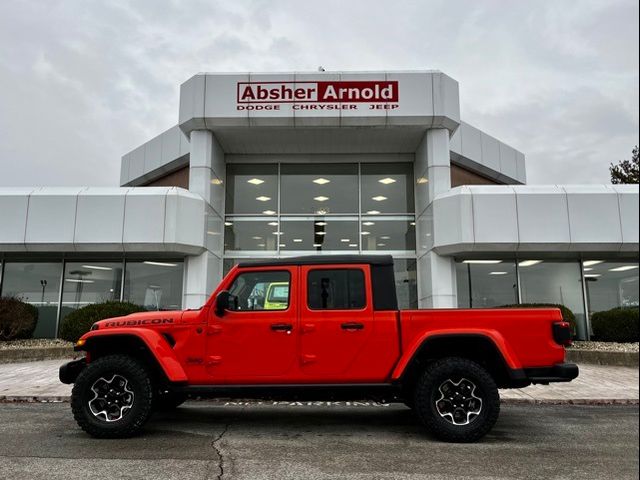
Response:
column 264, row 441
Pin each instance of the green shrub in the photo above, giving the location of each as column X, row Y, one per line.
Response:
column 17, row 319
column 567, row 314
column 616, row 325
column 78, row 322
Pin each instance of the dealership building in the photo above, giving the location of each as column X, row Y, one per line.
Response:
column 274, row 165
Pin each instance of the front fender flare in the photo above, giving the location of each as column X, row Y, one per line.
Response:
column 509, row 356
column 155, row 343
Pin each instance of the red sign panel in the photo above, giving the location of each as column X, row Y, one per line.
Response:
column 318, row 92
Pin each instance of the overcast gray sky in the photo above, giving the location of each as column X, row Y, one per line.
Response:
column 83, row 82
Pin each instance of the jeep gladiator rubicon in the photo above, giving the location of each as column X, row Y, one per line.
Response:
column 316, row 327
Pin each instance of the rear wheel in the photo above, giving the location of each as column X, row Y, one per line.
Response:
column 457, row 400
column 112, row 397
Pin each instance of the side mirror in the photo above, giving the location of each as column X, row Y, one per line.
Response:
column 222, row 302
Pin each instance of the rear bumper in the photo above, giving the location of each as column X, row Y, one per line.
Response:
column 70, row 371
column 560, row 372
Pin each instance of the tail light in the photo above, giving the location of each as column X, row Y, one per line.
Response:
column 562, row 333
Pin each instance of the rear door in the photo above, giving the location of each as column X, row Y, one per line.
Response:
column 336, row 322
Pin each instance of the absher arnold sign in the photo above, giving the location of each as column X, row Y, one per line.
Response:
column 270, row 94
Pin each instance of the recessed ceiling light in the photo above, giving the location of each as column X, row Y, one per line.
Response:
column 413, row 224
column 268, row 212
column 297, row 240
column 273, row 224
column 483, row 262
column 283, row 245
column 624, row 268
column 261, row 244
column 345, row 240
column 257, row 238
column 498, row 273
column 321, row 181
column 590, row 263
column 422, row 180
column 77, row 280
column 321, row 224
column 382, row 244
column 373, row 212
column 317, row 245
column 160, row 264
column 96, row 267
column 255, row 181
column 379, row 198
column 322, row 211
column 216, row 181
column 321, row 198
column 321, row 233
column 365, row 233
column 529, row 263
column 262, row 198
column 368, row 224
column 228, row 224
column 385, row 237
column 592, row 275
column 278, row 233
column 353, row 244
column 387, row 181
column 588, row 269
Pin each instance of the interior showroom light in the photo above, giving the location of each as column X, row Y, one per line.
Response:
column 379, row 198
column 321, row 198
column 483, row 262
column 160, row 264
column 273, row 224
column 590, row 263
column 623, row 268
column 373, row 212
column 216, row 181
column 268, row 212
column 255, row 181
column 321, row 181
column 368, row 224
column 498, row 273
column 422, row 180
column 262, row 198
column 297, row 240
column 529, row 263
column 96, row 267
column 321, row 224
column 77, row 280
column 228, row 224
column 387, row 181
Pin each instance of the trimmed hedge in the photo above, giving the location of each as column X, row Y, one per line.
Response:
column 616, row 325
column 567, row 314
column 78, row 322
column 18, row 319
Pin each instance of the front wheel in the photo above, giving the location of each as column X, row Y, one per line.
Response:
column 457, row 400
column 112, row 397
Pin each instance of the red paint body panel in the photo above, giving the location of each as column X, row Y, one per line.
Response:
column 241, row 347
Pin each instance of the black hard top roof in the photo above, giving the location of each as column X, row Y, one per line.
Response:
column 320, row 260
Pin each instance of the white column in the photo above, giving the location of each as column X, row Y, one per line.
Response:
column 206, row 178
column 436, row 274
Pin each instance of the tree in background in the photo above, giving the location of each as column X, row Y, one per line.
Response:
column 626, row 171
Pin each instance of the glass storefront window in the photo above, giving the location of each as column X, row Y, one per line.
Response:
column 251, row 234
column 89, row 282
column 155, row 285
column 319, row 189
column 388, row 234
column 554, row 282
column 406, row 283
column 387, row 188
column 319, row 233
column 610, row 284
column 252, row 189
column 37, row 283
column 487, row 283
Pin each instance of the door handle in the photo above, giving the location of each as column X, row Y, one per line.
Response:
column 352, row 326
column 281, row 327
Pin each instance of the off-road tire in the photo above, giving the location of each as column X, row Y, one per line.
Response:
column 139, row 382
column 165, row 401
column 427, row 393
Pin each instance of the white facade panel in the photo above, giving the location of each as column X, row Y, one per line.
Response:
column 490, row 152
column 100, row 219
column 495, row 217
column 183, row 222
column 51, row 219
column 543, row 218
column 220, row 100
column 14, row 203
column 144, row 219
column 628, row 203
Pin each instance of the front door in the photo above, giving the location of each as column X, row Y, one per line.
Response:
column 254, row 341
column 336, row 323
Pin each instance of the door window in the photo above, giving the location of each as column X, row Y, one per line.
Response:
column 342, row 289
column 260, row 291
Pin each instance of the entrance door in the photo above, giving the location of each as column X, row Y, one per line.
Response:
column 336, row 323
column 255, row 340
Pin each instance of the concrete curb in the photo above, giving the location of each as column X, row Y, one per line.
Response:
column 35, row 354
column 223, row 402
column 600, row 357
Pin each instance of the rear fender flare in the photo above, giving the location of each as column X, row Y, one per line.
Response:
column 509, row 356
column 155, row 343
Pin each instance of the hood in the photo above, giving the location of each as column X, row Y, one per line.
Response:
column 141, row 319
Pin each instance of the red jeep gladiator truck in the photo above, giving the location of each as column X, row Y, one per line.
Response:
column 316, row 327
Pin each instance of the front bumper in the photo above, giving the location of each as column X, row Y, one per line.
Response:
column 70, row 371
